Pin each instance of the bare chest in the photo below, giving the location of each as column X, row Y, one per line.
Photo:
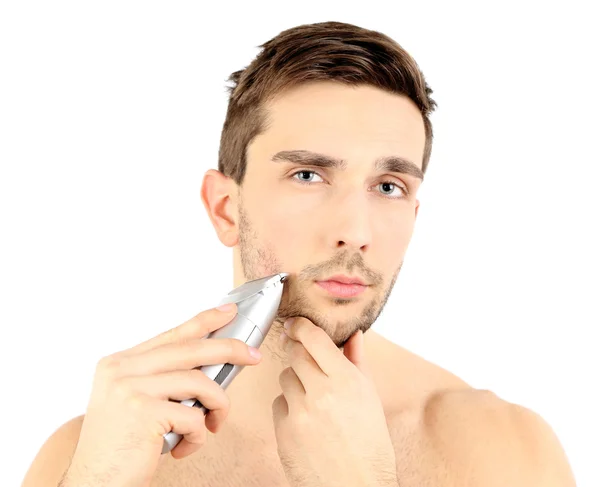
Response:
column 232, row 460
column 222, row 463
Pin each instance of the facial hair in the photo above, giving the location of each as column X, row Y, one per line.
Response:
column 259, row 259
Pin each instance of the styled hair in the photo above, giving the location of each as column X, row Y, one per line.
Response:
column 325, row 51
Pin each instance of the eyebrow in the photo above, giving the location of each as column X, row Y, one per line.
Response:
column 388, row 163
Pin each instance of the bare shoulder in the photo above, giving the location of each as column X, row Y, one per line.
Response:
column 446, row 432
column 54, row 457
column 472, row 437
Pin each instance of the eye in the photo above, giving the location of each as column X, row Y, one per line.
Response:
column 392, row 185
column 389, row 185
column 304, row 173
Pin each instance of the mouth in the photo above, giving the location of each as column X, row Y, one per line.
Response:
column 341, row 289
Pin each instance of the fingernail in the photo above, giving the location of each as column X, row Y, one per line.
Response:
column 226, row 307
column 288, row 323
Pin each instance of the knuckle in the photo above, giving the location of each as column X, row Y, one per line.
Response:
column 195, row 375
column 194, row 327
column 199, row 322
column 203, row 384
column 121, row 389
column 285, row 375
column 198, row 378
column 108, row 365
column 324, row 401
column 235, row 347
column 302, row 420
column 221, row 398
column 226, row 403
column 190, row 348
column 202, row 319
column 197, row 438
column 223, row 407
column 172, row 335
column 135, row 403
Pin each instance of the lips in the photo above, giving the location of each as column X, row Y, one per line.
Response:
column 343, row 286
column 346, row 279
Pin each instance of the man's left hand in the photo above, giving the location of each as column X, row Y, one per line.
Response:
column 329, row 422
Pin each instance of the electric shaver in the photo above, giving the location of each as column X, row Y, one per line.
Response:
column 257, row 305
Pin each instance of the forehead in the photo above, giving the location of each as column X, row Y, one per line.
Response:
column 353, row 123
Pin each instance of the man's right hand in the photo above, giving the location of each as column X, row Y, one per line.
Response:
column 129, row 409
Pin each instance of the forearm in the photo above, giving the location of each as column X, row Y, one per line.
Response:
column 76, row 476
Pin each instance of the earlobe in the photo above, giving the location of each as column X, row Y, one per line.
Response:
column 216, row 194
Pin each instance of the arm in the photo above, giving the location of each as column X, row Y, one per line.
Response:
column 54, row 457
column 485, row 441
column 548, row 463
column 474, row 439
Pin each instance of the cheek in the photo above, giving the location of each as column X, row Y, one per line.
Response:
column 392, row 234
column 291, row 213
column 290, row 225
column 291, row 231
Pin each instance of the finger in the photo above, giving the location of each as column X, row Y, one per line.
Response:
column 186, row 421
column 185, row 447
column 292, row 389
column 280, row 408
column 214, row 420
column 304, row 366
column 319, row 345
column 179, row 386
column 187, row 355
column 197, row 327
column 188, row 384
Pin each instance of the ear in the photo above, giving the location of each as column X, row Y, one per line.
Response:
column 217, row 194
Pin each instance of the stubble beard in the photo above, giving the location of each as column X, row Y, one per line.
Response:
column 259, row 259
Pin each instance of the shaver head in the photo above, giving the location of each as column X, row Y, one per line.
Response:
column 251, row 288
column 258, row 300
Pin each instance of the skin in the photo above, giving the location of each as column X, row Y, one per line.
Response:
column 344, row 221
column 444, row 432
column 347, row 221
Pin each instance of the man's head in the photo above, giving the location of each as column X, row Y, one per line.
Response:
column 323, row 149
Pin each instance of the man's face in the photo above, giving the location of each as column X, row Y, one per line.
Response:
column 316, row 221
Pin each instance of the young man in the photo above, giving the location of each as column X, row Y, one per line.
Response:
column 324, row 147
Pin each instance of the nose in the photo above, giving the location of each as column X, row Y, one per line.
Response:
column 348, row 224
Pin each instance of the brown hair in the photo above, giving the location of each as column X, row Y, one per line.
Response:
column 326, row 51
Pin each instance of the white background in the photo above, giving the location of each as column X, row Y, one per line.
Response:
column 111, row 112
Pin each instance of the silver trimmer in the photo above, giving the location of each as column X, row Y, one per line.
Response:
column 257, row 305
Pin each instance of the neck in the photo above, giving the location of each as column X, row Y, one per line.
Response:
column 256, row 387
column 252, row 393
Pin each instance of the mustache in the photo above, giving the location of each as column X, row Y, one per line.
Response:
column 342, row 263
